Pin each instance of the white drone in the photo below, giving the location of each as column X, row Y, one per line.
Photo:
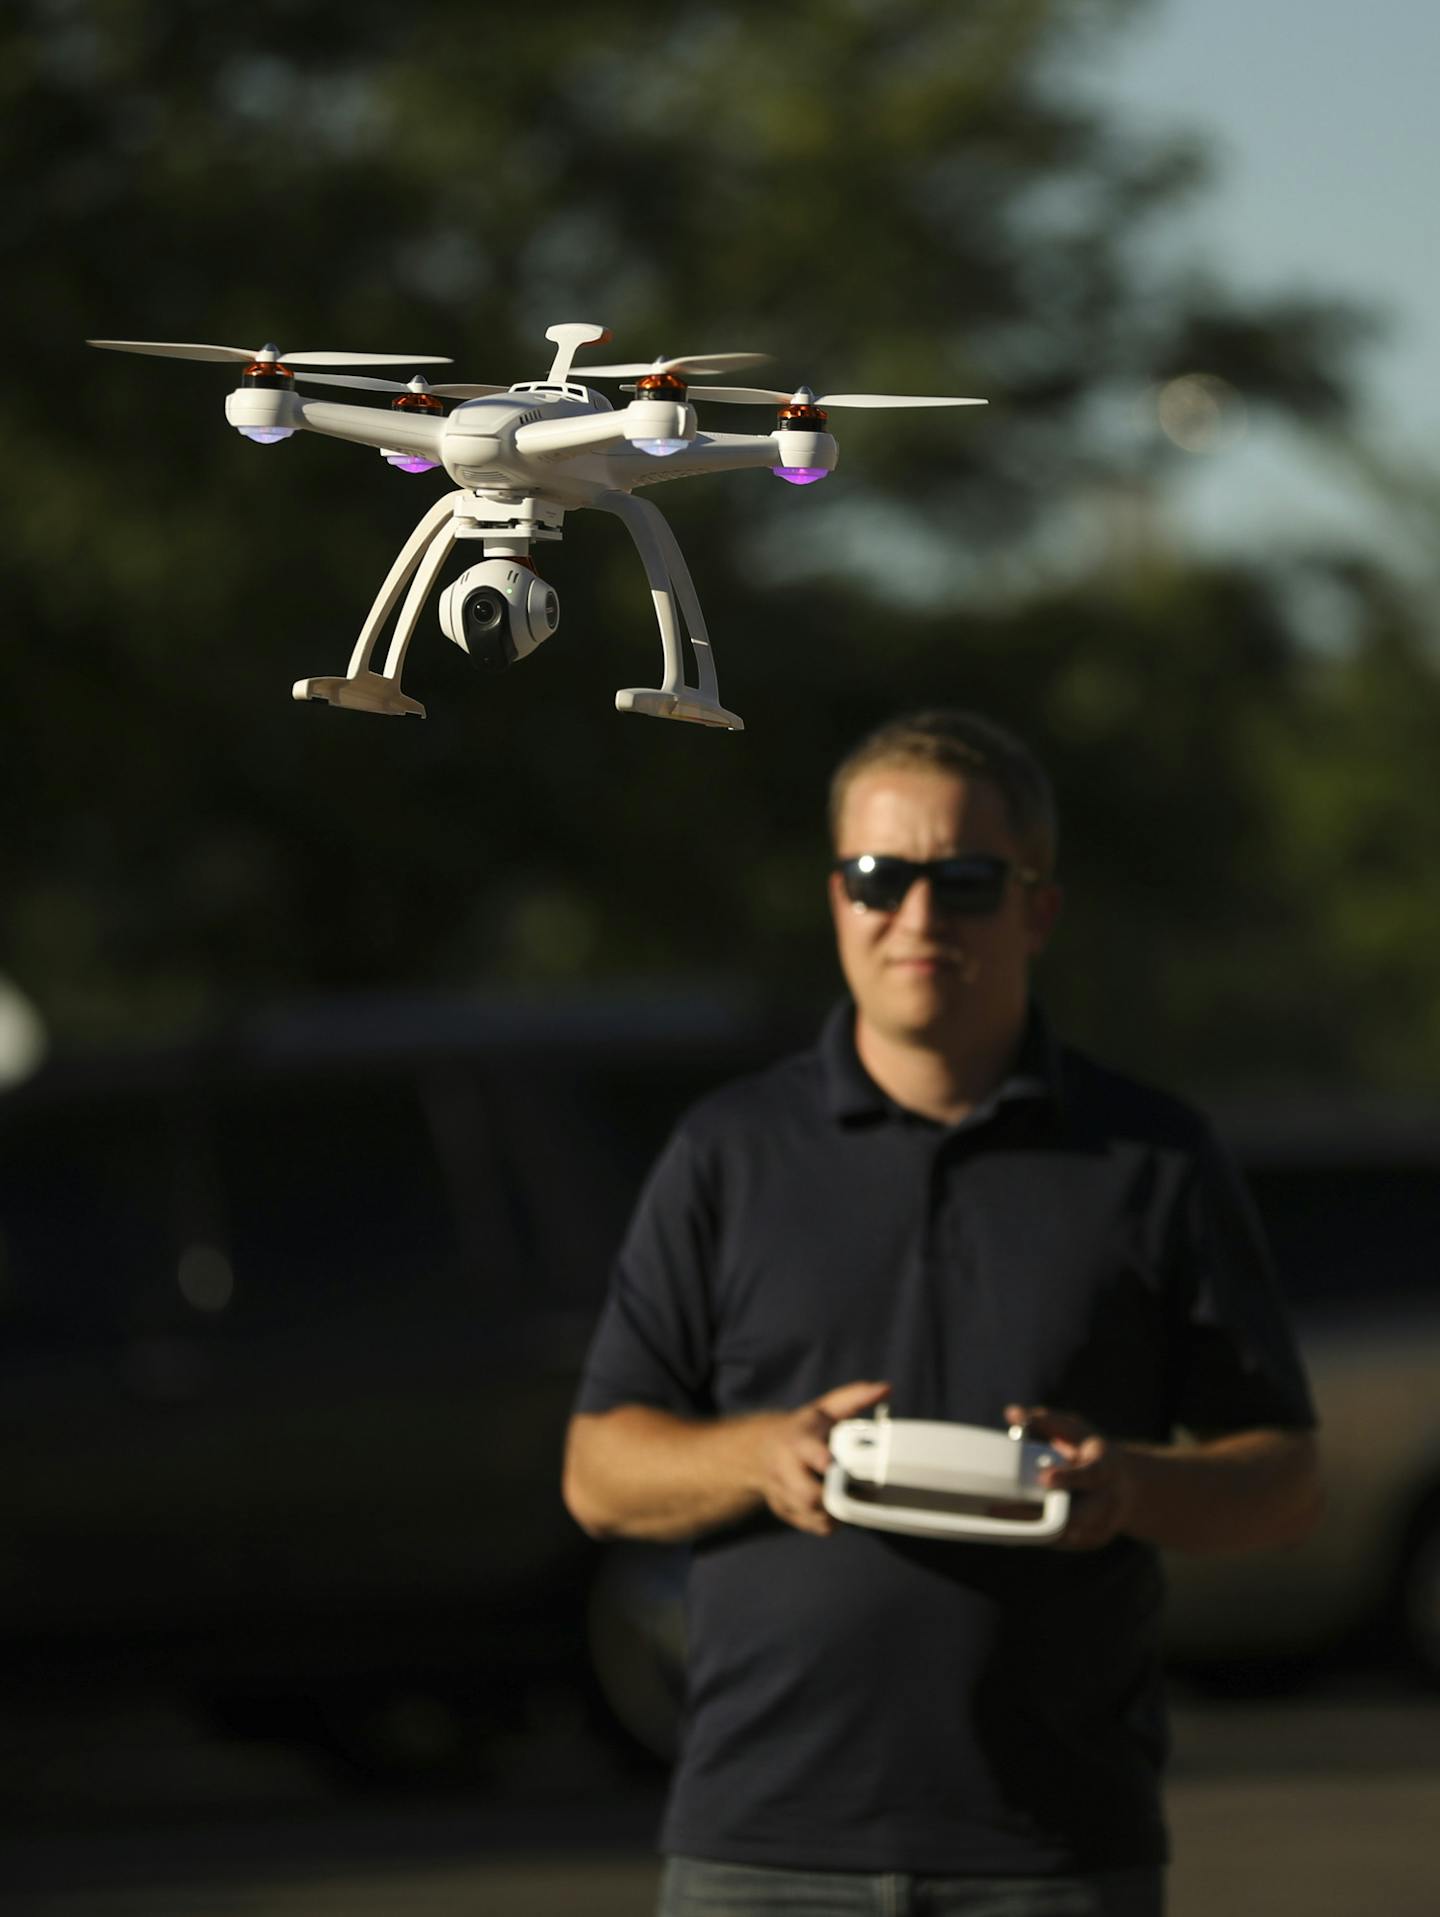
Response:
column 522, row 457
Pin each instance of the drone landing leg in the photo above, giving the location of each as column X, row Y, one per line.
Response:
column 361, row 689
column 669, row 576
column 425, row 577
column 695, row 626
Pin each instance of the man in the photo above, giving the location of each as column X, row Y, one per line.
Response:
column 939, row 1206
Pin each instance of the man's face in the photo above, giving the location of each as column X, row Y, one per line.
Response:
column 919, row 974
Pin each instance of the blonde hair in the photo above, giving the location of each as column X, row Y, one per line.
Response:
column 972, row 746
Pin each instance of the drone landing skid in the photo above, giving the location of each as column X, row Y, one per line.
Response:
column 673, row 595
column 689, row 704
column 366, row 692
column 418, row 565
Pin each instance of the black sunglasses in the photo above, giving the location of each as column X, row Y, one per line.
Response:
column 969, row 885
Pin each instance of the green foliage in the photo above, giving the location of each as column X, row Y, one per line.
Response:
column 899, row 194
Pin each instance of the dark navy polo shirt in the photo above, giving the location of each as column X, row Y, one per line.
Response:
column 873, row 1702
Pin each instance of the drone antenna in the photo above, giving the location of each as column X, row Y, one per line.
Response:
column 568, row 341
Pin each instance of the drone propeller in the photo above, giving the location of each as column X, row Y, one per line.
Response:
column 416, row 385
column 268, row 354
column 768, row 396
column 686, row 363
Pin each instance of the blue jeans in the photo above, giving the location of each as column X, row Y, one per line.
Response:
column 695, row 1887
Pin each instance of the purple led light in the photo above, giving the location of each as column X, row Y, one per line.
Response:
column 265, row 435
column 800, row 475
column 411, row 462
column 659, row 448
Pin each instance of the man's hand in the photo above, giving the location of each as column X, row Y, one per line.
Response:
column 640, row 1472
column 1247, row 1490
column 796, row 1454
column 1098, row 1475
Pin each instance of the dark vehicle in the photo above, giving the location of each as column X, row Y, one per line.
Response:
column 1350, row 1196
column 289, row 1327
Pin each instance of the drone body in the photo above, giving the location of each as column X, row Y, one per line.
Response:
column 520, row 459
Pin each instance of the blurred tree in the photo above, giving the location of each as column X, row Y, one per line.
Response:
column 896, row 194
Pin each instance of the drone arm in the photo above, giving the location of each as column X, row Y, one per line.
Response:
column 706, row 453
column 563, row 438
column 375, row 426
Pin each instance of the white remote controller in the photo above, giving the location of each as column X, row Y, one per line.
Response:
column 943, row 1481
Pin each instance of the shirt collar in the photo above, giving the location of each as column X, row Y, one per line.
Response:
column 851, row 1093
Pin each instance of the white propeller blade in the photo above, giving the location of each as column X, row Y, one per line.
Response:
column 398, row 386
column 368, row 359
column 768, row 396
column 172, row 349
column 687, row 363
column 746, row 395
column 891, row 399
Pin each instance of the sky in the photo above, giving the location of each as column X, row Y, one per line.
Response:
column 1321, row 120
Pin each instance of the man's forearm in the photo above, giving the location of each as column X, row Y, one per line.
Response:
column 1238, row 1493
column 636, row 1472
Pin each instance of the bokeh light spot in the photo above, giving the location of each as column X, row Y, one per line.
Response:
column 1201, row 413
column 205, row 1278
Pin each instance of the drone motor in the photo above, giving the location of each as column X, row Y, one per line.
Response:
column 417, row 400
column 265, row 374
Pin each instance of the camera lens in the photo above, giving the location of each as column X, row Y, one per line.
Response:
column 488, row 638
column 552, row 610
column 485, row 611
